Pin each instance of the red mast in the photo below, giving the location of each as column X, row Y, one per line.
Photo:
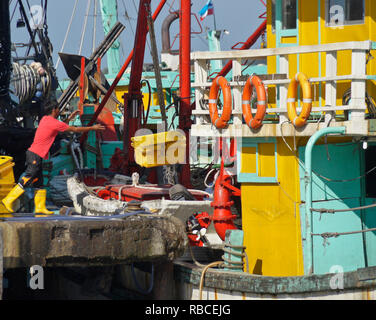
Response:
column 185, row 82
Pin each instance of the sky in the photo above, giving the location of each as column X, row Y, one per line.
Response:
column 239, row 17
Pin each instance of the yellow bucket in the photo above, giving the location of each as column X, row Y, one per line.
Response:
column 159, row 149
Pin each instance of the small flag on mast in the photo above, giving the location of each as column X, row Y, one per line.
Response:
column 207, row 10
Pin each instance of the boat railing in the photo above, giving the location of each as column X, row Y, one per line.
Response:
column 353, row 115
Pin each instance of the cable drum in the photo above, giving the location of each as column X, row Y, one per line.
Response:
column 31, row 82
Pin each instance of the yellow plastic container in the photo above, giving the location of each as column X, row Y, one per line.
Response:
column 6, row 170
column 6, row 179
column 159, row 149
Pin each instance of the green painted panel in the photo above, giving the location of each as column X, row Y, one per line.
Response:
column 108, row 149
column 369, row 219
column 337, row 162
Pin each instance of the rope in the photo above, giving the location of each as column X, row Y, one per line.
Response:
column 216, row 263
column 84, row 26
column 238, row 254
column 326, row 235
column 66, row 34
column 94, row 26
column 323, row 210
column 221, row 263
column 214, row 179
column 138, row 285
column 283, row 137
column 319, row 175
column 345, row 180
column 30, row 81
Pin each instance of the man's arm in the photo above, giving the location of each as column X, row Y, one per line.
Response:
column 96, row 127
column 72, row 116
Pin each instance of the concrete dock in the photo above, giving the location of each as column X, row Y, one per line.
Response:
column 77, row 241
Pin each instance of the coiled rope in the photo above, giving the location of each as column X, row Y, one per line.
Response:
column 30, row 81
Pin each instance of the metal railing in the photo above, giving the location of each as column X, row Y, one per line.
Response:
column 355, row 124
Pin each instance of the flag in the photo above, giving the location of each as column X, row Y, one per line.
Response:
column 207, row 10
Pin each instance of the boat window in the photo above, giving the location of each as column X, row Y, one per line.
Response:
column 288, row 14
column 258, row 161
column 355, row 10
column 344, row 12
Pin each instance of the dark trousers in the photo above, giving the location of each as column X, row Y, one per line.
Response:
column 34, row 172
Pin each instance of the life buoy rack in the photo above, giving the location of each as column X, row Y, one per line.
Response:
column 220, row 122
column 256, row 121
column 301, row 119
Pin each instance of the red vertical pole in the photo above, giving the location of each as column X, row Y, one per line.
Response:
column 133, row 99
column 82, row 83
column 185, row 82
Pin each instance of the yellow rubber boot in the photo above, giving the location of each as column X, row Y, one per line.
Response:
column 40, row 202
column 12, row 196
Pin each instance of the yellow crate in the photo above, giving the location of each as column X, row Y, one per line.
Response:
column 6, row 170
column 6, row 179
column 159, row 149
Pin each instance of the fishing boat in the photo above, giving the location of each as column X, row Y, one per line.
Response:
column 304, row 158
column 272, row 164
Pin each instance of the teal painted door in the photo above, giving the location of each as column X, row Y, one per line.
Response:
column 338, row 162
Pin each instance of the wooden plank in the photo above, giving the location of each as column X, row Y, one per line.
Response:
column 262, row 53
column 278, row 110
column 275, row 130
column 286, row 81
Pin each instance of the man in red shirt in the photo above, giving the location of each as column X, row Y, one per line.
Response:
column 44, row 137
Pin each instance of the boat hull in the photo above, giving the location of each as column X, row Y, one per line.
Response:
column 225, row 285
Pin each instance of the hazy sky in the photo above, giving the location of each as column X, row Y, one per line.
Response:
column 239, row 17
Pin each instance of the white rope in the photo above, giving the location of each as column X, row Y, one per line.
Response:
column 214, row 180
column 84, row 26
column 66, row 34
column 94, row 25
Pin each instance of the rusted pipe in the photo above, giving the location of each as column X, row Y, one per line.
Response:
column 166, row 45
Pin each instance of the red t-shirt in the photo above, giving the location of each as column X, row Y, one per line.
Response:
column 45, row 135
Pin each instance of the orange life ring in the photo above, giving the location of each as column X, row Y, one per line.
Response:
column 256, row 121
column 220, row 122
column 301, row 119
